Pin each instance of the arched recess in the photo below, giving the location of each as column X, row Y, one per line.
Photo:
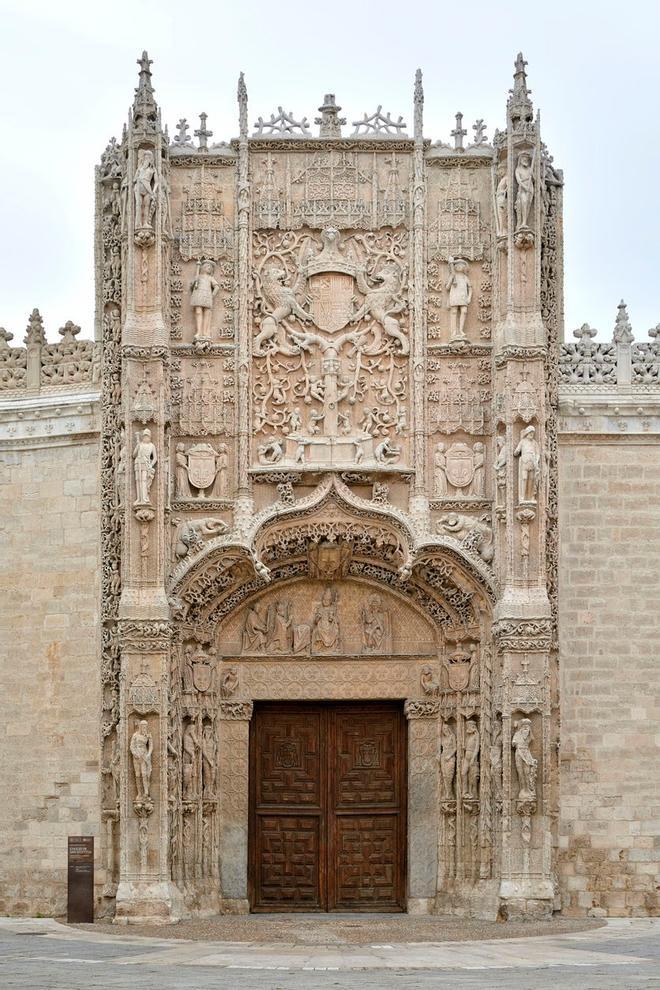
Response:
column 350, row 550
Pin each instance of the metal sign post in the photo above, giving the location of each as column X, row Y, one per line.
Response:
column 80, row 879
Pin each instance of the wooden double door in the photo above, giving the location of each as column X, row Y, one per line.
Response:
column 328, row 807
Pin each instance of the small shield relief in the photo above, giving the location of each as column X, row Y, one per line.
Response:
column 458, row 671
column 202, row 674
column 460, row 465
column 332, row 300
column 201, row 465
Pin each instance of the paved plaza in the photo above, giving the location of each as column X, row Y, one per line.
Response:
column 42, row 954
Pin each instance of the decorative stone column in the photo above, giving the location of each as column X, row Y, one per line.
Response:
column 234, row 760
column 423, row 804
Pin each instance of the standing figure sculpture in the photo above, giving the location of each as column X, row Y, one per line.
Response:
column 189, row 755
column 447, row 760
column 209, row 761
column 145, row 185
column 525, row 183
column 181, row 480
column 141, row 747
column 500, row 463
column 203, row 290
column 478, row 484
column 526, row 764
column 529, row 471
column 145, row 459
column 470, row 767
column 440, row 471
column 501, row 200
column 459, row 288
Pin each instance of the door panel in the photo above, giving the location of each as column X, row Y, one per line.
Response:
column 328, row 816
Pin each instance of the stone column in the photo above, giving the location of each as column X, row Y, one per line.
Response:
column 423, row 804
column 234, row 756
column 525, row 425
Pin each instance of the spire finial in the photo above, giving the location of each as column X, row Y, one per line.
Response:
column 145, row 110
column 520, row 106
column 329, row 122
column 242, row 106
column 459, row 133
column 623, row 333
column 418, row 126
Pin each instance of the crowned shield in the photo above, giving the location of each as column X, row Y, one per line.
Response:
column 202, row 673
column 332, row 300
column 460, row 465
column 201, row 465
column 458, row 671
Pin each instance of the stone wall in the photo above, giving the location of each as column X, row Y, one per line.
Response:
column 49, row 678
column 610, row 670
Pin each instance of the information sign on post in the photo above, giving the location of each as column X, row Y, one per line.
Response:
column 80, row 879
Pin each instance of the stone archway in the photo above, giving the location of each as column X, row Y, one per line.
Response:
column 255, row 622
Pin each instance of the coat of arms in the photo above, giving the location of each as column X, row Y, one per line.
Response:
column 460, row 465
column 458, row 670
column 332, row 300
column 202, row 673
column 201, row 465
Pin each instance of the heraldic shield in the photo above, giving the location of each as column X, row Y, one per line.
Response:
column 332, row 300
column 202, row 673
column 201, row 465
column 460, row 465
column 458, row 671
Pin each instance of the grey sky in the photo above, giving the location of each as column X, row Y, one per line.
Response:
column 67, row 72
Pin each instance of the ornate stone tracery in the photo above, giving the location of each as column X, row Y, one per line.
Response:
column 329, row 471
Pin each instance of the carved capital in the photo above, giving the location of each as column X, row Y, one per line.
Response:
column 236, row 711
column 421, row 709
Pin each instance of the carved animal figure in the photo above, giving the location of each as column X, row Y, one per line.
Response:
column 281, row 300
column 381, row 301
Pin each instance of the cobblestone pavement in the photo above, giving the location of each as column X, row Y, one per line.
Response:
column 44, row 955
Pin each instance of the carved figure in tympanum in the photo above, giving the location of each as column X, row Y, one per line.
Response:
column 325, row 623
column 376, row 626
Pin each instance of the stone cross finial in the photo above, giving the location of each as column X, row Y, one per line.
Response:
column 329, row 122
column 202, row 133
column 69, row 331
column 585, row 333
column 182, row 137
column 479, row 129
column 458, row 133
column 6, row 336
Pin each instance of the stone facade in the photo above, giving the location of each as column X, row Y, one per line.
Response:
column 324, row 465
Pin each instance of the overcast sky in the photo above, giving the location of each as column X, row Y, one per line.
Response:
column 67, row 73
